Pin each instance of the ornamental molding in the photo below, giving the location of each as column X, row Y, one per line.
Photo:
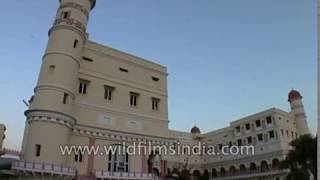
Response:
column 117, row 112
column 50, row 116
column 61, row 53
column 120, row 136
column 54, row 87
column 75, row 6
column 248, row 159
column 70, row 22
column 93, row 3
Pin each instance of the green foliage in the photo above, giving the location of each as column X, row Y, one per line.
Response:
column 302, row 159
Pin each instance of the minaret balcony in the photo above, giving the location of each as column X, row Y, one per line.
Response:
column 69, row 23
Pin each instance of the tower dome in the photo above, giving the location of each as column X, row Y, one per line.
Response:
column 293, row 95
column 195, row 130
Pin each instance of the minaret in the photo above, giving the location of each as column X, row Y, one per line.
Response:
column 297, row 110
column 49, row 118
column 2, row 137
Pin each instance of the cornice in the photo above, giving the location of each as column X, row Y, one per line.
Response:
column 93, row 3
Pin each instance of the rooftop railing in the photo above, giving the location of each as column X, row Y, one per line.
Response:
column 252, row 174
column 34, row 167
column 124, row 175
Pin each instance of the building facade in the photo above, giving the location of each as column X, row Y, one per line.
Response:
column 92, row 95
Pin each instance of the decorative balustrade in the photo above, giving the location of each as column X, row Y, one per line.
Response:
column 43, row 168
column 252, row 174
column 124, row 175
column 11, row 152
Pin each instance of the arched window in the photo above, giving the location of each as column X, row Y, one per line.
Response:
column 156, row 171
column 118, row 159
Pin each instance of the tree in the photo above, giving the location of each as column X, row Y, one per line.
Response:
column 302, row 159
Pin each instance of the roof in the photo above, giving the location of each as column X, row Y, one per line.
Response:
column 125, row 57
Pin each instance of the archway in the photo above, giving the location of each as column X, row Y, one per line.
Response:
column 155, row 171
column 185, row 174
column 154, row 162
column 264, row 166
column 214, row 173
column 118, row 161
column 175, row 171
column 232, row 171
column 168, row 171
column 243, row 169
column 222, row 172
column 196, row 173
column 253, row 167
column 206, row 173
column 275, row 163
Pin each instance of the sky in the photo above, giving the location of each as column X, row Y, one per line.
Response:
column 226, row 59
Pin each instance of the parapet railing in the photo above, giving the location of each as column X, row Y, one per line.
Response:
column 43, row 168
column 10, row 151
column 124, row 175
column 253, row 174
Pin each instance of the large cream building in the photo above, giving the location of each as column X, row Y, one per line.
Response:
column 90, row 94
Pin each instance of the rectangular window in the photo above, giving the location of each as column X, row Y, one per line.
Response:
column 83, row 86
column 269, row 120
column 258, row 123
column 260, row 137
column 155, row 104
column 271, row 134
column 220, row 146
column 292, row 134
column 51, row 68
column 287, row 132
column 65, row 14
column 78, row 157
column 123, row 70
column 282, row 132
column 133, row 99
column 109, row 166
column 108, row 90
column 156, row 79
column 87, row 59
column 248, row 126
column 75, row 43
column 238, row 129
column 249, row 139
column 38, row 150
column 65, row 98
column 239, row 142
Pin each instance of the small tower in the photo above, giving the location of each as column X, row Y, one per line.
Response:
column 2, row 137
column 196, row 133
column 50, row 116
column 297, row 110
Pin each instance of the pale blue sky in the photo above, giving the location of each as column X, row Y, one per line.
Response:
column 226, row 58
